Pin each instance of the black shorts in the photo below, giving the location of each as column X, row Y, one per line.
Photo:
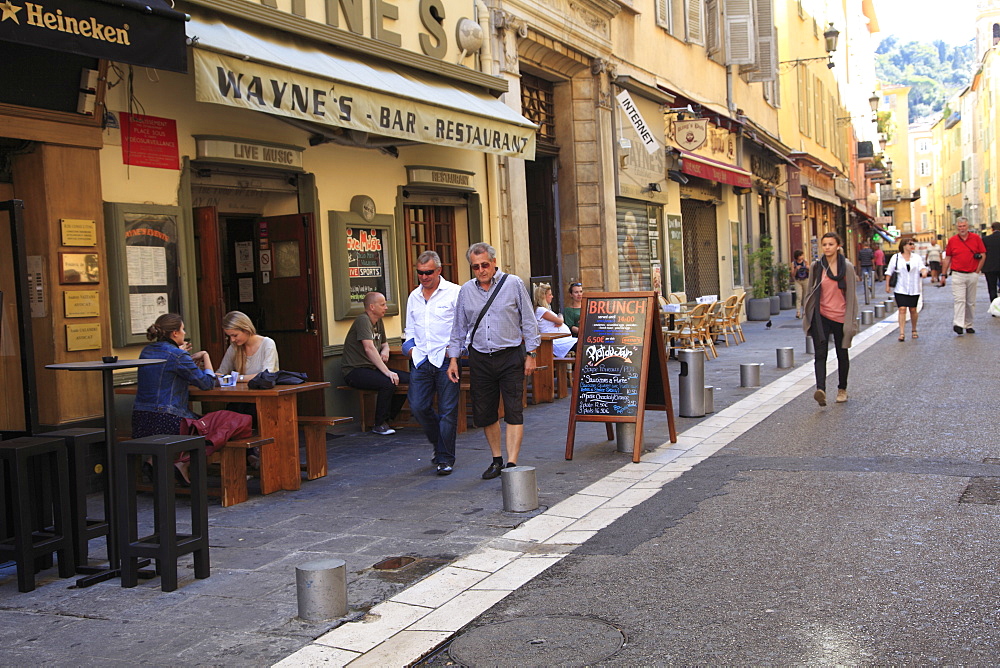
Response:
column 935, row 265
column 495, row 377
column 906, row 301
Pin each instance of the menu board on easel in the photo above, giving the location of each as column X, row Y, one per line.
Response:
column 621, row 367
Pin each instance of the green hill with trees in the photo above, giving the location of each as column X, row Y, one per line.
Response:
column 934, row 71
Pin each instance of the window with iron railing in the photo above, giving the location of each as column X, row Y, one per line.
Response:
column 538, row 106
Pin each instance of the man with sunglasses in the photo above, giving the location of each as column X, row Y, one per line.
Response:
column 502, row 337
column 430, row 314
column 964, row 256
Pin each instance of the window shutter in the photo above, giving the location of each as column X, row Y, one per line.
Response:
column 694, row 19
column 663, row 14
column 767, row 43
column 712, row 41
column 803, row 99
column 740, row 43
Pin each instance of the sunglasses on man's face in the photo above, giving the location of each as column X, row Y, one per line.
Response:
column 426, row 272
column 484, row 265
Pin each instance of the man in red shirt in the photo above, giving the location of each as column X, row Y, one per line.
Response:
column 964, row 256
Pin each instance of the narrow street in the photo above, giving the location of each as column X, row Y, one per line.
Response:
column 859, row 533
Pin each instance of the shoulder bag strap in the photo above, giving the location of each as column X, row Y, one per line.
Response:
column 487, row 307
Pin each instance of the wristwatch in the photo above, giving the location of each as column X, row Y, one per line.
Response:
column 532, row 354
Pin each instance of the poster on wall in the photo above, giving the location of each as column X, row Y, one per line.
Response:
column 149, row 141
column 365, row 262
column 675, row 252
column 364, row 252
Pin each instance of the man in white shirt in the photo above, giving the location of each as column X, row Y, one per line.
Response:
column 430, row 314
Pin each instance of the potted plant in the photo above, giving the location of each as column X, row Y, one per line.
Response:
column 784, row 278
column 762, row 280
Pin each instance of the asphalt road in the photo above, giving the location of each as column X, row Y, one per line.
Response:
column 858, row 533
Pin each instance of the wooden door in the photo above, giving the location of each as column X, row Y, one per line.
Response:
column 288, row 298
column 13, row 417
column 211, row 304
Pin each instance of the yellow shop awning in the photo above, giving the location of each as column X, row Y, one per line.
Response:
column 292, row 78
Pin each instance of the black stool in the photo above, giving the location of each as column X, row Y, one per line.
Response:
column 164, row 544
column 80, row 444
column 33, row 499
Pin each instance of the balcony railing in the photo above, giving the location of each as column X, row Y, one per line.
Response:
column 899, row 194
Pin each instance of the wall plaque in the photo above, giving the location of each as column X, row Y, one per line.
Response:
column 83, row 337
column 81, row 303
column 77, row 232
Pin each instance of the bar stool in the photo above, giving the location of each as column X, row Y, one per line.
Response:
column 30, row 500
column 164, row 544
column 80, row 443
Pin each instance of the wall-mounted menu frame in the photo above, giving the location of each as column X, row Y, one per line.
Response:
column 621, row 367
column 144, row 264
column 364, row 260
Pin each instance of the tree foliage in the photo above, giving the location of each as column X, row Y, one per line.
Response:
column 933, row 71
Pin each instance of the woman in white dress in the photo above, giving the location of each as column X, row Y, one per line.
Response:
column 550, row 322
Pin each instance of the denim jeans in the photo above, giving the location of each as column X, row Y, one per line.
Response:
column 426, row 381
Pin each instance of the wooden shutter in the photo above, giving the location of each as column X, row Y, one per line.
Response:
column 740, row 38
column 712, row 41
column 663, row 14
column 767, row 43
column 694, row 12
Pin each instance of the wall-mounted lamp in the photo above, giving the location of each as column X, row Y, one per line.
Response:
column 655, row 187
column 882, row 141
column 830, row 36
column 742, row 190
column 873, row 101
column 677, row 176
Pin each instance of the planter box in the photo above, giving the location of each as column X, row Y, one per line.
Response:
column 758, row 309
column 787, row 300
column 775, row 304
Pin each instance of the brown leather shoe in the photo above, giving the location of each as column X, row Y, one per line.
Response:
column 841, row 396
column 820, row 397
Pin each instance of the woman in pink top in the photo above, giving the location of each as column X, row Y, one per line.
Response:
column 831, row 309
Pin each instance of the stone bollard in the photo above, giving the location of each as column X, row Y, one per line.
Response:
column 810, row 346
column 321, row 587
column 520, row 491
column 625, row 434
column 750, row 374
column 867, row 317
column 786, row 357
column 709, row 399
column 880, row 311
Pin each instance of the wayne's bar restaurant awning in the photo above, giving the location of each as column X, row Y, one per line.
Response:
column 294, row 79
column 147, row 33
column 714, row 170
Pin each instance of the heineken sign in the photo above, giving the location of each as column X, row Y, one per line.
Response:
column 146, row 33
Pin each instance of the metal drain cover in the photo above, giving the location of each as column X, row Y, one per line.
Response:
column 983, row 490
column 538, row 641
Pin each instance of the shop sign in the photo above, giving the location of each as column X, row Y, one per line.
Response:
column 149, row 141
column 646, row 136
column 445, row 178
column 224, row 149
column 691, row 135
column 233, row 82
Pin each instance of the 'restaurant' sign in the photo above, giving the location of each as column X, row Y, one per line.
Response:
column 233, row 82
column 151, row 34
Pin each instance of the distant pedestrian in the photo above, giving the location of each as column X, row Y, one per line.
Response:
column 800, row 274
column 963, row 257
column 430, row 314
column 991, row 268
column 909, row 269
column 501, row 352
column 831, row 310
column 366, row 351
column 866, row 261
column 934, row 262
column 878, row 259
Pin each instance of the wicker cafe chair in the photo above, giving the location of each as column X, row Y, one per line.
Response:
column 690, row 331
column 737, row 316
column 723, row 325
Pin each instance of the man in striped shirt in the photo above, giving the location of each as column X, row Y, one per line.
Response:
column 501, row 341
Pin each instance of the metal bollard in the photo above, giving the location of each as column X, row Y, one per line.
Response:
column 691, row 385
column 520, row 491
column 321, row 587
column 709, row 399
column 750, row 374
column 810, row 346
column 880, row 311
column 786, row 357
column 867, row 317
column 625, row 433
column 857, row 321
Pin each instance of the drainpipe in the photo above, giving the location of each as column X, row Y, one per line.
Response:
column 496, row 200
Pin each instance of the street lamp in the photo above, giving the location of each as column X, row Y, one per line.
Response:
column 873, row 102
column 830, row 36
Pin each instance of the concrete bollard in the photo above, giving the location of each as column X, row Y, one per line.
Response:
column 867, row 317
column 750, row 374
column 321, row 587
column 625, row 433
column 810, row 346
column 880, row 311
column 520, row 491
column 709, row 399
column 786, row 357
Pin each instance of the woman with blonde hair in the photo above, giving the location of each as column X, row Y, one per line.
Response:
column 249, row 353
column 550, row 322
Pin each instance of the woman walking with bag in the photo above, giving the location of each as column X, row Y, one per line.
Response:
column 831, row 309
column 906, row 271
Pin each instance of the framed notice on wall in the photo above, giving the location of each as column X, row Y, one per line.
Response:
column 364, row 257
column 145, row 267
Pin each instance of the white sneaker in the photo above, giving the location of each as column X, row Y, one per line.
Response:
column 383, row 430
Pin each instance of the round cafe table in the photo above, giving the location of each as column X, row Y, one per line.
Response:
column 107, row 370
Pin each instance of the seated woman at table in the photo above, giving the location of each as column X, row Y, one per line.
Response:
column 571, row 312
column 161, row 399
column 249, row 353
column 552, row 323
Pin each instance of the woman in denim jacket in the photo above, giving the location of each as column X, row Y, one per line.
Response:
column 161, row 399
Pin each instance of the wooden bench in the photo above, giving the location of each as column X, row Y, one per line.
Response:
column 564, row 375
column 314, row 428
